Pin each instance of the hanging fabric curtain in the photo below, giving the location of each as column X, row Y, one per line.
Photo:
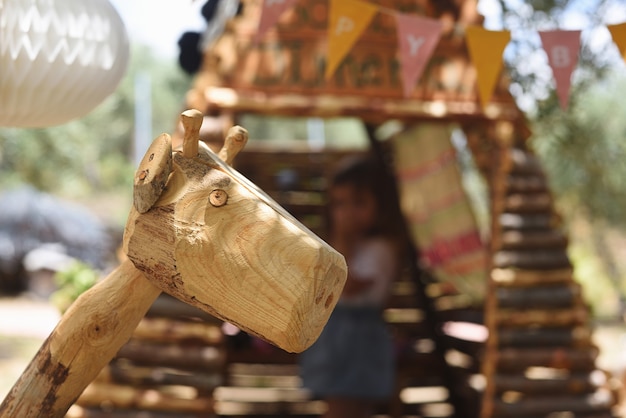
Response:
column 437, row 209
column 59, row 59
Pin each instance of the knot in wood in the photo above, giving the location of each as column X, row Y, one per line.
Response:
column 218, row 197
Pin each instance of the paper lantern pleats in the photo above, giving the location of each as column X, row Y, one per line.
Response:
column 59, row 59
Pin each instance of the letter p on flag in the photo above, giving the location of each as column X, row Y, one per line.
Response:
column 347, row 20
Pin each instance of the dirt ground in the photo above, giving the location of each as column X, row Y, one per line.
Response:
column 25, row 323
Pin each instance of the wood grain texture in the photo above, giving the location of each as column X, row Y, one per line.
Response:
column 247, row 262
column 152, row 174
column 85, row 340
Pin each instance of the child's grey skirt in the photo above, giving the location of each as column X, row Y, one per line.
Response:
column 353, row 358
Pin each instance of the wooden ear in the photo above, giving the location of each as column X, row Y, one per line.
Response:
column 152, row 174
column 236, row 139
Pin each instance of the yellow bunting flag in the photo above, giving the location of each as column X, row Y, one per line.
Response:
column 347, row 20
column 618, row 32
column 485, row 50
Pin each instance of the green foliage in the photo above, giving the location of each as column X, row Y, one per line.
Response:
column 94, row 153
column 72, row 282
column 584, row 149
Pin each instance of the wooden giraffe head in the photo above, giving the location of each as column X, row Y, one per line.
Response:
column 203, row 233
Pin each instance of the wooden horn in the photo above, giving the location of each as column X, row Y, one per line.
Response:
column 192, row 121
column 236, row 139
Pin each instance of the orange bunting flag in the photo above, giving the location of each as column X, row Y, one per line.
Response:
column 347, row 20
column 418, row 37
column 270, row 13
column 562, row 47
column 618, row 33
column 485, row 50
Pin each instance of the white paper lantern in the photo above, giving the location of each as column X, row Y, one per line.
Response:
column 58, row 59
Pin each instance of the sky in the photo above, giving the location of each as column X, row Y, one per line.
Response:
column 159, row 23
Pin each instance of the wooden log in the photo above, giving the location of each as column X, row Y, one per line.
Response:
column 542, row 317
column 521, row 184
column 601, row 414
column 544, row 239
column 167, row 306
column 527, row 221
column 171, row 331
column 527, row 203
column 532, row 259
column 600, row 401
column 545, row 337
column 129, row 397
column 155, row 376
column 555, row 296
column 521, row 162
column 169, row 355
column 82, row 412
column 511, row 277
column 84, row 341
column 575, row 384
column 516, row 360
column 302, row 409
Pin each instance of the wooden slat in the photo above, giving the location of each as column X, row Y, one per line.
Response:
column 172, row 331
column 511, row 277
column 156, row 376
column 517, row 360
column 542, row 317
column 599, row 402
column 527, row 203
column 169, row 307
column 197, row 358
column 128, row 397
column 544, row 239
column 554, row 297
column 81, row 412
column 527, row 221
column 532, row 259
column 545, row 337
column 575, row 384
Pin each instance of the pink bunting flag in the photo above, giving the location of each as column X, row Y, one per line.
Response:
column 562, row 47
column 270, row 13
column 418, row 37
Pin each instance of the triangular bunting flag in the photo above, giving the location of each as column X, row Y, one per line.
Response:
column 618, row 33
column 418, row 37
column 348, row 19
column 270, row 13
column 485, row 49
column 562, row 47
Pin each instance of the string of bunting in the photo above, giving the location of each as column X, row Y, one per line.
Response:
column 418, row 36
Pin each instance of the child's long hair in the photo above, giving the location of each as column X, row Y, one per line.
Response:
column 365, row 173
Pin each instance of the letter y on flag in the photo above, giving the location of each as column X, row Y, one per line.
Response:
column 418, row 37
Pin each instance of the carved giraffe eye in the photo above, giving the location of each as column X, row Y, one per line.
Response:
column 218, row 197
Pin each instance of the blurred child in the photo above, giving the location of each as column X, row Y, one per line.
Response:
column 351, row 365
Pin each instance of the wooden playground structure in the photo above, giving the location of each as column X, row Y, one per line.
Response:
column 538, row 359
